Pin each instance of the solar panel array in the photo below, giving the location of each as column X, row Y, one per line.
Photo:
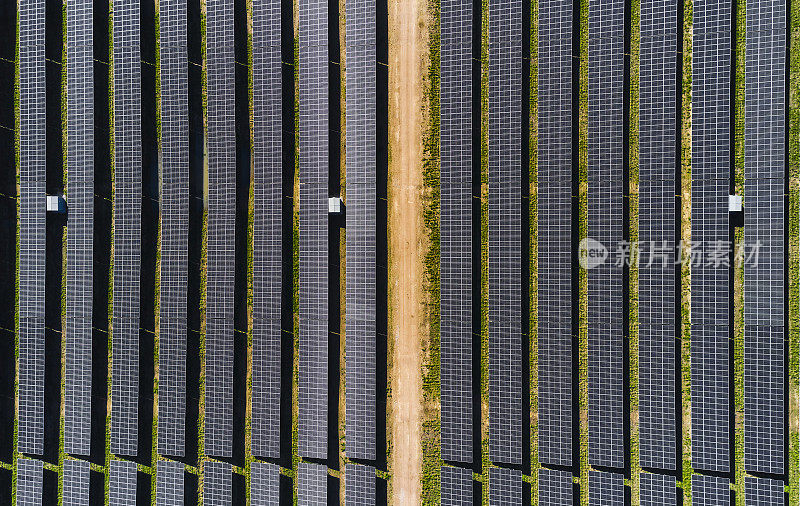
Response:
column 80, row 228
column 657, row 490
column 127, row 227
column 555, row 259
column 504, row 263
column 765, row 190
column 75, row 484
column 312, row 485
column 505, row 486
column 267, row 227
column 32, row 202
column 711, row 168
column 221, row 227
column 710, row 491
column 455, row 257
column 313, row 250
column 29, row 482
column 217, row 478
column 456, row 488
column 763, row 492
column 264, row 484
column 361, row 231
column 555, row 488
column 169, row 483
column 606, row 489
column 657, row 218
column 122, row 483
column 359, row 485
column 606, row 304
column 174, row 225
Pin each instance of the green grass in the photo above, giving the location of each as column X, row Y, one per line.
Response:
column 533, row 214
column 431, row 451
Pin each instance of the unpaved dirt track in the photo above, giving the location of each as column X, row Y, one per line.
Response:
column 408, row 34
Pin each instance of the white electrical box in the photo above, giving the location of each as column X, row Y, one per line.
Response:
column 334, row 205
column 56, row 204
column 734, row 203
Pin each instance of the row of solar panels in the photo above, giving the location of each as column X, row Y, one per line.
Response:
column 557, row 488
column 361, row 232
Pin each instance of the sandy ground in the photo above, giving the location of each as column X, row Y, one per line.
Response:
column 407, row 243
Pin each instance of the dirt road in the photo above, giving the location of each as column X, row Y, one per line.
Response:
column 408, row 34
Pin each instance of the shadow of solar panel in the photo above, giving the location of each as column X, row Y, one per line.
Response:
column 710, row 491
column 122, row 483
column 606, row 489
column 125, row 388
column 266, row 396
column 30, row 415
column 456, row 486
column 219, row 388
column 359, row 486
column 764, row 424
column 505, row 486
column 29, row 482
column 555, row 230
column 710, row 398
column 78, row 386
column 264, row 484
column 657, row 490
column 312, row 485
column 764, row 492
column 169, row 483
column 555, row 488
column 75, row 484
column 172, row 386
column 657, row 438
column 217, row 477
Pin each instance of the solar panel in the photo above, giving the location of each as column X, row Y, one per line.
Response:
column 266, row 396
column 555, row 159
column 555, row 488
column 127, row 226
column 312, row 485
column 710, row 491
column 606, row 154
column 29, row 482
column 172, row 386
column 361, row 231
column 764, row 423
column 31, row 225
column 122, row 483
column 505, row 486
column 657, row 188
column 505, row 230
column 75, row 484
column 169, row 483
column 264, row 484
column 313, row 248
column 30, row 421
column 657, row 490
column 219, row 387
column 764, row 279
column 267, row 226
column 359, row 484
column 606, row 489
column 174, row 145
column 80, row 227
column 217, row 477
column 456, row 486
column 711, row 107
column 455, row 260
column 763, row 492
